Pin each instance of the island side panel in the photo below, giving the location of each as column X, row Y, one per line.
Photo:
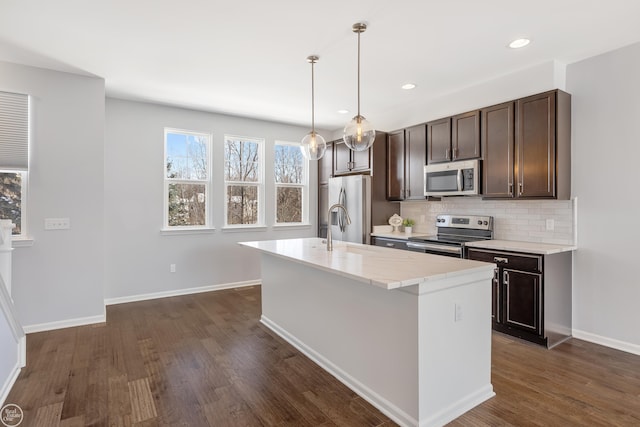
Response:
column 364, row 335
column 455, row 350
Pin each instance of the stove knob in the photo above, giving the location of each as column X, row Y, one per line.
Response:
column 479, row 222
column 486, row 223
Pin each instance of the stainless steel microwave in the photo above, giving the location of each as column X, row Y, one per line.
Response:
column 452, row 179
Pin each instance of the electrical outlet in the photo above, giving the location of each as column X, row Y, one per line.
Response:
column 57, row 224
column 550, row 224
column 172, row 268
column 458, row 312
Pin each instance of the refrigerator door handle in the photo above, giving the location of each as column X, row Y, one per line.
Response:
column 341, row 217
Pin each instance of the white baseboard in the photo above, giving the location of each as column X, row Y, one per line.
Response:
column 8, row 384
column 607, row 342
column 178, row 292
column 81, row 321
column 41, row 327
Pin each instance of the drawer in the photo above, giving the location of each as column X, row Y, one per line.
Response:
column 510, row 260
column 390, row 243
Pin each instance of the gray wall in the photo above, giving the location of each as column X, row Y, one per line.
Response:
column 137, row 255
column 61, row 276
column 606, row 149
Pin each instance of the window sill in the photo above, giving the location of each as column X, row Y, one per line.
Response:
column 244, row 228
column 186, row 231
column 291, row 226
column 22, row 243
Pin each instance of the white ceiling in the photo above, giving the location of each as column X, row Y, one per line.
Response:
column 248, row 57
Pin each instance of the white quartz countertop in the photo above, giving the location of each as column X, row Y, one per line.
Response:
column 379, row 266
column 516, row 246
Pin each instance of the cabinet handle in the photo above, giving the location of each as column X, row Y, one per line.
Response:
column 520, row 191
column 511, row 189
column 446, row 153
column 500, row 260
column 505, row 277
column 496, row 283
column 454, row 152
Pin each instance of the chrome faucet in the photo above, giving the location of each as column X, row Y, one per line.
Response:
column 329, row 239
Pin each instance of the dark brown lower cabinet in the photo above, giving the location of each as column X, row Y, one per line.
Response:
column 531, row 296
column 389, row 243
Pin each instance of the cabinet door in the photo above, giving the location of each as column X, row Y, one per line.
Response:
column 498, row 145
column 536, row 146
column 439, row 141
column 325, row 165
column 465, row 136
column 341, row 158
column 396, row 165
column 415, row 159
column 496, row 309
column 361, row 160
column 522, row 300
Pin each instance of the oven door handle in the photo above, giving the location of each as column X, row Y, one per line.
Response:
column 438, row 248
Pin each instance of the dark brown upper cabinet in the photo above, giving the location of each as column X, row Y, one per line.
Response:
column 465, row 136
column 406, row 157
column 527, row 147
column 396, row 165
column 454, row 138
column 439, row 141
column 346, row 161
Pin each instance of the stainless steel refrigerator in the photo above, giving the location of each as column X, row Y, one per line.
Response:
column 354, row 192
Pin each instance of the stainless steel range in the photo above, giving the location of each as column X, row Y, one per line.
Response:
column 453, row 231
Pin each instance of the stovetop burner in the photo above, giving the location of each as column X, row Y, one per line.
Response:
column 459, row 229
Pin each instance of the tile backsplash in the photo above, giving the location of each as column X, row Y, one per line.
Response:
column 524, row 220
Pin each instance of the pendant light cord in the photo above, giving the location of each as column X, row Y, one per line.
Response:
column 313, row 124
column 359, row 32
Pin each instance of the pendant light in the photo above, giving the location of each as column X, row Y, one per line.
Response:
column 359, row 134
column 313, row 144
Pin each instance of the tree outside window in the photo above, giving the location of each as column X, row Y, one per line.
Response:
column 187, row 166
column 244, row 184
column 290, row 171
column 11, row 197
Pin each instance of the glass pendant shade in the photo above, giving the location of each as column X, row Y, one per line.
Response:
column 313, row 146
column 359, row 134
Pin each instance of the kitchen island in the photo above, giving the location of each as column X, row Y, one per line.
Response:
column 409, row 332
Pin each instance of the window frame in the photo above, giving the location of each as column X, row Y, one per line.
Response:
column 304, row 186
column 23, row 158
column 208, row 225
column 260, row 183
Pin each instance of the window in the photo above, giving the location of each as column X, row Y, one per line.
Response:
column 243, row 181
column 186, row 183
column 290, row 170
column 13, row 190
column 14, row 159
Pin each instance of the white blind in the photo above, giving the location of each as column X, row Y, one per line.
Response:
column 14, row 131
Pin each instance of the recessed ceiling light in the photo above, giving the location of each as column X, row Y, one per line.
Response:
column 343, row 111
column 408, row 86
column 518, row 43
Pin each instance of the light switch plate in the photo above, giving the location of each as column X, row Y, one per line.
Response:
column 57, row 224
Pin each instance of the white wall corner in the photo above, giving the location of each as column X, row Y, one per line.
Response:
column 560, row 75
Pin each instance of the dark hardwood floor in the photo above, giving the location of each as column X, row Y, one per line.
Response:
column 205, row 360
